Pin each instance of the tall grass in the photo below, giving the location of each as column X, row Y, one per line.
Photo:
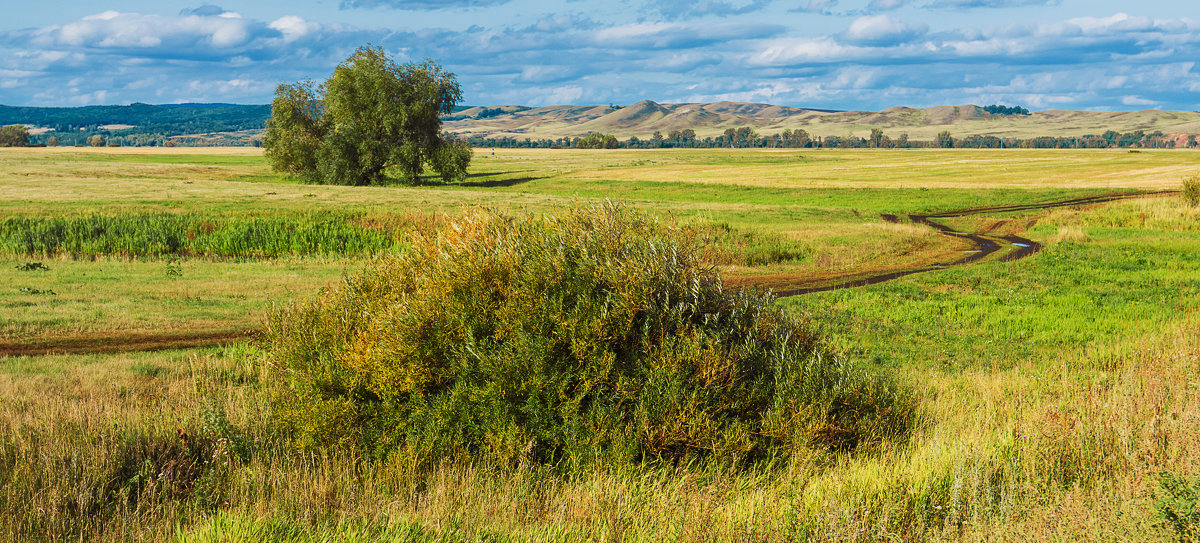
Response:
column 594, row 338
column 1191, row 190
column 157, row 234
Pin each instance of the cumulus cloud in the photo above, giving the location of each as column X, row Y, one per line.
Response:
column 675, row 10
column 419, row 5
column 882, row 30
column 885, row 5
column 817, row 6
column 874, row 60
column 972, row 4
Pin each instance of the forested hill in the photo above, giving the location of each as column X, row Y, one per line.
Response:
column 136, row 121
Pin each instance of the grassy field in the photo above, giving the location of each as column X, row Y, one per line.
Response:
column 1058, row 395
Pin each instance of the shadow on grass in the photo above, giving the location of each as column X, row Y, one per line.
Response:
column 435, row 181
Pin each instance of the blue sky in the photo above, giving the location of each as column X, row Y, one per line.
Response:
column 837, row 54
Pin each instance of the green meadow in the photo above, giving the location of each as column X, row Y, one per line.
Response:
column 1051, row 398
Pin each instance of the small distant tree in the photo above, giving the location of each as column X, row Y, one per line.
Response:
column 96, row 140
column 876, row 137
column 944, row 140
column 52, row 142
column 902, row 141
column 596, row 140
column 372, row 117
column 14, row 135
column 1191, row 141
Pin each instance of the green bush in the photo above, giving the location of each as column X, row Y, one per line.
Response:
column 1179, row 504
column 597, row 336
column 1191, row 190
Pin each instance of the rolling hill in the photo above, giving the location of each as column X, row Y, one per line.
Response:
column 241, row 124
column 709, row 119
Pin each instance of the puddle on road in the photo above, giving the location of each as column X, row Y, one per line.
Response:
column 1022, row 244
column 972, row 251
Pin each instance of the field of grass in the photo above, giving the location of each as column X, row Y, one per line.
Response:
column 1058, row 396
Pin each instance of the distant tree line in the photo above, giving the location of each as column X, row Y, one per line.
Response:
column 997, row 109
column 747, row 138
column 152, row 125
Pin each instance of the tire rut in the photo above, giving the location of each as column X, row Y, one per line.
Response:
column 982, row 245
column 120, row 342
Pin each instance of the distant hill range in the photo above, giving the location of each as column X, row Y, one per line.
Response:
column 711, row 119
column 143, row 124
column 233, row 124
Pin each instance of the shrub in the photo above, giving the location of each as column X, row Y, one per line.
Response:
column 1191, row 190
column 597, row 336
column 1179, row 504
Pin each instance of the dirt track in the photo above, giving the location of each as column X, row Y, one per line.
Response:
column 983, row 245
column 117, row 342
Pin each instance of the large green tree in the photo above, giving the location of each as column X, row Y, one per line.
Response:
column 14, row 135
column 372, row 119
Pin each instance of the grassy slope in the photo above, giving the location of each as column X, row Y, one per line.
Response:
column 643, row 120
column 1055, row 389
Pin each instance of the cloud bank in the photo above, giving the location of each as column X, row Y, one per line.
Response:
column 666, row 51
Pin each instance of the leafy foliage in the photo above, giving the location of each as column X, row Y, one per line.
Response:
column 371, row 117
column 596, row 140
column 14, row 135
column 1179, row 504
column 997, row 109
column 594, row 337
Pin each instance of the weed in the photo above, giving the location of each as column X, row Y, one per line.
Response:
column 174, row 269
column 1191, row 190
column 37, row 291
column 146, row 369
column 32, row 266
column 1179, row 504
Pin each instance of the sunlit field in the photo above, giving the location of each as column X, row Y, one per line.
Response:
column 1054, row 395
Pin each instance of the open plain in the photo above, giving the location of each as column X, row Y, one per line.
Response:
column 1057, row 389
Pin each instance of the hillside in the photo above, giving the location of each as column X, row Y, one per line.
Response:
column 230, row 124
column 137, row 122
column 646, row 117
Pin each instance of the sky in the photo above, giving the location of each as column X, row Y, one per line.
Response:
column 830, row 54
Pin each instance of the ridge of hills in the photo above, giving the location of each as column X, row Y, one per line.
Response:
column 641, row 119
column 711, row 119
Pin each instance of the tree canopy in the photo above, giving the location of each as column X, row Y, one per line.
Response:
column 14, row 135
column 596, row 140
column 370, row 120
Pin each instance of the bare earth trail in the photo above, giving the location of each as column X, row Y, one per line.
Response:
column 983, row 245
column 119, row 342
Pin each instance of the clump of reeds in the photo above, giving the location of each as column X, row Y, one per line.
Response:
column 592, row 337
column 190, row 234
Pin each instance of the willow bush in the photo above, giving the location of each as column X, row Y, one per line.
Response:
column 594, row 336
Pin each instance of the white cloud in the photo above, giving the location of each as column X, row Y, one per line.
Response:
column 882, row 29
column 1137, row 101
